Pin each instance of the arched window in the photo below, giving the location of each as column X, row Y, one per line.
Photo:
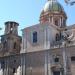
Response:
column 5, row 44
column 2, row 64
column 56, row 22
column 64, row 23
column 57, row 37
column 34, row 37
column 11, row 28
column 14, row 70
column 15, row 45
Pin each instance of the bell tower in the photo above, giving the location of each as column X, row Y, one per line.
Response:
column 11, row 40
column 11, row 27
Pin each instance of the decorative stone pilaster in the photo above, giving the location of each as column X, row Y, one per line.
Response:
column 23, row 67
column 46, row 64
column 49, row 64
column 1, row 70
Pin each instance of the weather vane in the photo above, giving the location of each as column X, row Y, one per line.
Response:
column 69, row 2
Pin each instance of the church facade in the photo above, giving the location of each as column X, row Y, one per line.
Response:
column 47, row 48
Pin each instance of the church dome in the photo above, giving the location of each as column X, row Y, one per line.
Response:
column 52, row 6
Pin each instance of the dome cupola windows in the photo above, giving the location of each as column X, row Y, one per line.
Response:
column 53, row 9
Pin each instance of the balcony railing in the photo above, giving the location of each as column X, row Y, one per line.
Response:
column 59, row 44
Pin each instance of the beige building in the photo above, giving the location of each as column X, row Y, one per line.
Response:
column 47, row 48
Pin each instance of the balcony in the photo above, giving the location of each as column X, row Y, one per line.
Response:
column 59, row 44
column 56, row 44
column 56, row 67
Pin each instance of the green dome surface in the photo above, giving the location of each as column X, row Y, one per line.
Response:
column 52, row 5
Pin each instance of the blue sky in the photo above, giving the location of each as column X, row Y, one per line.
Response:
column 27, row 12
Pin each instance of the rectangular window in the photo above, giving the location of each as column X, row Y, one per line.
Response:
column 56, row 59
column 73, row 58
column 35, row 37
column 56, row 73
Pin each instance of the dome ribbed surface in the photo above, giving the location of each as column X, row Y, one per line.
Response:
column 52, row 5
